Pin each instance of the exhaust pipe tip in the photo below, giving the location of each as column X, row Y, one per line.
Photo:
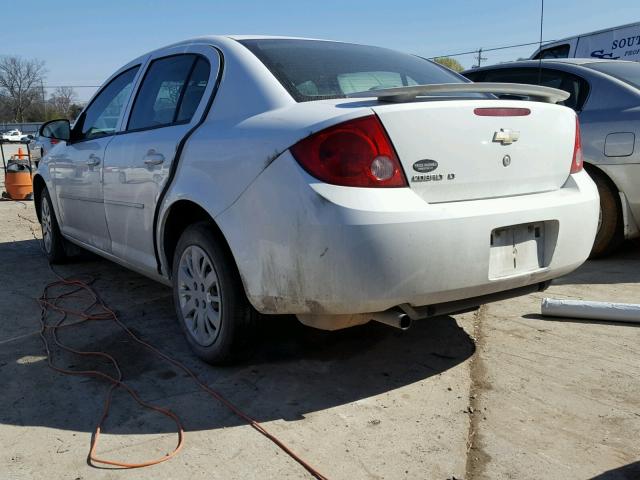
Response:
column 394, row 319
column 405, row 322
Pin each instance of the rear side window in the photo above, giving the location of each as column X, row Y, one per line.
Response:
column 577, row 87
column 474, row 76
column 163, row 90
column 195, row 89
column 315, row 70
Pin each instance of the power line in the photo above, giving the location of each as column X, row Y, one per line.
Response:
column 504, row 47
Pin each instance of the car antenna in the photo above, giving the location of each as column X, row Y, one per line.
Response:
column 540, row 45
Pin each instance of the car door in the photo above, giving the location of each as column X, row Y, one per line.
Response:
column 77, row 166
column 169, row 103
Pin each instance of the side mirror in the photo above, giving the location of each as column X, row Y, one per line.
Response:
column 57, row 129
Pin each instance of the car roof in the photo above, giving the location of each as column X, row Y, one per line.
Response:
column 583, row 61
column 239, row 37
column 275, row 37
column 549, row 61
column 224, row 41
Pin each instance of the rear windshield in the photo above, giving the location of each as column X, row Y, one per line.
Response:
column 315, row 70
column 627, row 72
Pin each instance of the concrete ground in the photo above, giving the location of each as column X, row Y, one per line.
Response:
column 501, row 393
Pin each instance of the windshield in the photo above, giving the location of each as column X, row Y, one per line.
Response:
column 315, row 70
column 628, row 72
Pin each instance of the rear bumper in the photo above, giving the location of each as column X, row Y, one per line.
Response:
column 467, row 304
column 304, row 247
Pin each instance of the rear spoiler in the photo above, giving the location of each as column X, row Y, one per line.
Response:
column 408, row 94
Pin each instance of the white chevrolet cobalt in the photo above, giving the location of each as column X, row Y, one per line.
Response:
column 341, row 183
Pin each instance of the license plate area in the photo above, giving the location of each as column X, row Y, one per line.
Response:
column 517, row 249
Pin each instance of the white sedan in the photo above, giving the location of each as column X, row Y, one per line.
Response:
column 341, row 183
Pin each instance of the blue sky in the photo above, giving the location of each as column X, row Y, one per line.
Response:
column 83, row 42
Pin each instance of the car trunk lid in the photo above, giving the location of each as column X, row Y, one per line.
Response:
column 451, row 151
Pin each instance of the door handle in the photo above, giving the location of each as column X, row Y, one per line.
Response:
column 153, row 158
column 93, row 160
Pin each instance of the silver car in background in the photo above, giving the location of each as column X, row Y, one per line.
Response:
column 41, row 144
column 606, row 96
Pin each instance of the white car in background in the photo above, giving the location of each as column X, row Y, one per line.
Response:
column 13, row 136
column 340, row 183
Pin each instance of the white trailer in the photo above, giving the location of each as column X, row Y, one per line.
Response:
column 617, row 43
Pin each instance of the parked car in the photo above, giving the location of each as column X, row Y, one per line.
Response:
column 621, row 42
column 605, row 95
column 341, row 183
column 43, row 141
column 13, row 136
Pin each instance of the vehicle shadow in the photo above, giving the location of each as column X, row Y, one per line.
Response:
column 627, row 472
column 608, row 270
column 294, row 370
column 537, row 316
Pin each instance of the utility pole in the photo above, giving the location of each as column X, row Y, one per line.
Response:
column 480, row 57
column 44, row 101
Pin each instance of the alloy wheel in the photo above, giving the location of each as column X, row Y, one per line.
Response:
column 45, row 222
column 199, row 295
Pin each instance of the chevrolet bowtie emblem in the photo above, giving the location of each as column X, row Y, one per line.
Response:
column 506, row 136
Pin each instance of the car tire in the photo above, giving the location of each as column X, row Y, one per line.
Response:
column 209, row 298
column 609, row 235
column 53, row 243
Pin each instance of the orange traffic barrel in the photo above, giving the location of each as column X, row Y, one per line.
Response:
column 17, row 182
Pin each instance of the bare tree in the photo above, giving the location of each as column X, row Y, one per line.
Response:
column 19, row 81
column 61, row 101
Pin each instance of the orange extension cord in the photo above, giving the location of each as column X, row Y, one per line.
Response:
column 51, row 301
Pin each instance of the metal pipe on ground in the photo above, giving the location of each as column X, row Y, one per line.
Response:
column 607, row 311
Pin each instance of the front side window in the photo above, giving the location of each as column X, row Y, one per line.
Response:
column 561, row 51
column 628, row 72
column 314, row 70
column 101, row 117
column 170, row 92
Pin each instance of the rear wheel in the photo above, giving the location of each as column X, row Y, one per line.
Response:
column 209, row 298
column 609, row 234
column 53, row 242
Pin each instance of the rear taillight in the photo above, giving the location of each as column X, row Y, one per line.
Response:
column 577, row 163
column 356, row 153
column 53, row 141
